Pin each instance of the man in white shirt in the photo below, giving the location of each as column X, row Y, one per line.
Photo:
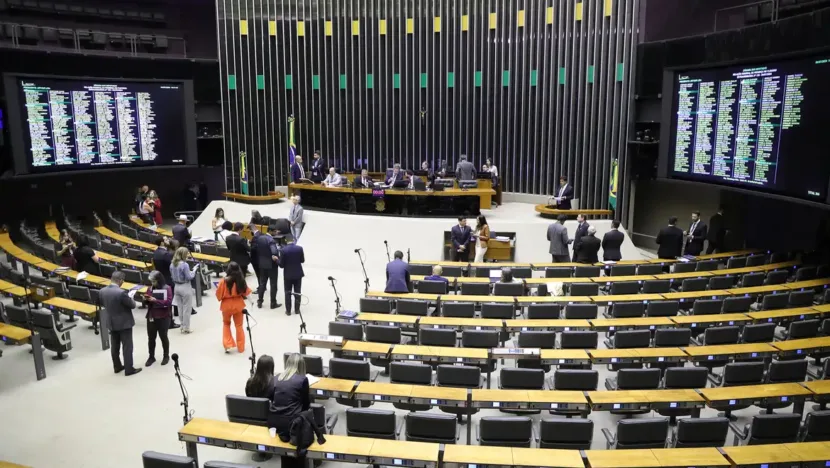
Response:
column 333, row 179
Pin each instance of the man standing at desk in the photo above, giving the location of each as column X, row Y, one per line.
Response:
column 558, row 237
column 397, row 275
column 611, row 242
column 268, row 257
column 118, row 313
column 670, row 240
column 465, row 170
column 564, row 195
column 318, row 168
column 333, row 179
column 581, row 230
column 460, row 237
column 364, row 181
column 297, row 171
column 396, row 175
column 696, row 235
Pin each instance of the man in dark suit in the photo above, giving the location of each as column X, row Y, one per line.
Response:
column 717, row 232
column 291, row 261
column 670, row 240
column 118, row 315
column 588, row 248
column 268, row 257
column 460, row 238
column 611, row 242
column 565, row 194
column 364, row 181
column 181, row 233
column 239, row 248
column 397, row 275
column 695, row 235
column 465, row 170
column 318, row 168
column 581, row 230
column 395, row 176
column 297, row 170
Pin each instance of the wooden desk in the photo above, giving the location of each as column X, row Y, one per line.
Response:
column 733, row 351
column 156, row 229
column 394, row 452
column 11, row 289
column 14, row 335
column 547, row 458
column 473, row 455
column 330, row 387
column 811, row 452
column 271, row 197
column 366, row 349
column 550, row 211
column 384, row 319
column 484, row 195
column 784, row 315
column 389, row 392
column 70, row 307
column 820, row 389
column 660, row 354
column 432, row 395
column 439, row 353
column 133, row 264
column 685, row 296
column 770, row 288
column 710, row 320
column 758, row 455
column 803, row 346
column 633, row 458
column 514, row 325
column 212, row 432
column 636, row 323
column 564, row 356
column 257, row 438
column 735, row 253
column 609, row 356
column 685, row 275
column 674, row 398
column 525, row 300
column 460, row 322
column 756, row 394
column 106, row 232
column 610, row 299
column 342, row 448
column 816, row 283
column 685, row 457
column 617, row 279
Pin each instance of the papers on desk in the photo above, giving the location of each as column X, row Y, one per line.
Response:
column 152, row 227
column 82, row 275
column 62, row 269
column 502, row 238
column 609, row 262
column 312, row 379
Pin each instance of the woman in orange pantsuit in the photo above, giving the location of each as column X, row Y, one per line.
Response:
column 231, row 303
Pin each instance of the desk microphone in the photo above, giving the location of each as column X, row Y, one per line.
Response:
column 356, row 250
column 331, row 278
column 175, row 357
column 385, row 243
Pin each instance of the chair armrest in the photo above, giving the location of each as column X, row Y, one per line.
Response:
column 610, row 439
column 610, row 383
column 331, row 421
column 399, row 427
column 478, row 436
column 740, row 434
column 66, row 326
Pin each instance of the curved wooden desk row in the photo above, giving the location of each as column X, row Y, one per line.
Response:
column 54, row 234
column 147, row 227
column 362, row 450
column 62, row 305
column 271, row 197
column 146, row 246
column 549, row 211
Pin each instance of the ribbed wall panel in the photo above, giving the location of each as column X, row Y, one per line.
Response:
column 554, row 97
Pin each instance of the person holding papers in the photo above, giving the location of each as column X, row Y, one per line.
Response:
column 159, row 302
column 118, row 307
column 565, row 194
column 231, row 293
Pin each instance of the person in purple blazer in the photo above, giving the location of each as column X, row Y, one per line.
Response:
column 397, row 275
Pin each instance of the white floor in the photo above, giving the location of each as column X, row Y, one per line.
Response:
column 82, row 415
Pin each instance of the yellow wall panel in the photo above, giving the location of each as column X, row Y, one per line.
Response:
column 609, row 5
column 549, row 15
column 410, row 25
column 494, row 20
column 382, row 27
column 436, row 24
column 355, row 27
column 465, row 22
column 243, row 27
column 272, row 28
column 329, row 28
column 301, row 28
column 520, row 19
column 578, row 11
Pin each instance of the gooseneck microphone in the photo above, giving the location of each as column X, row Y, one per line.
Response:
column 356, row 250
column 331, row 278
column 175, row 358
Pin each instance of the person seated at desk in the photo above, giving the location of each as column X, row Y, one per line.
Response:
column 588, row 248
column 85, row 258
column 413, row 179
column 364, row 181
column 261, row 385
column 333, row 179
column 611, row 242
column 297, row 170
column 507, row 276
column 430, row 174
column 397, row 275
column 436, row 275
column 465, row 170
column 396, row 175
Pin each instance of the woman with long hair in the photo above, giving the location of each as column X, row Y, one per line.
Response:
column 290, row 397
column 155, row 201
column 216, row 222
column 261, row 385
column 183, row 294
column 231, row 294
column 482, row 236
column 159, row 301
column 67, row 250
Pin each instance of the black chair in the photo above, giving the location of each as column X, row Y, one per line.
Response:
column 484, row 272
column 768, row 429
column 694, row 284
column 247, row 410
column 823, row 271
column 558, row 272
column 105, row 270
column 151, row 459
column 523, row 272
column 708, row 265
column 632, row 339
column 453, row 271
column 737, row 304
column 583, row 289
column 566, row 434
column 646, row 433
column 351, row 370
column 376, row 305
column 816, row 427
column 783, row 372
column 137, row 254
column 432, row 287
column 622, row 270
column 736, row 262
column 687, row 267
column 458, row 377
column 682, row 378
column 417, row 269
column 752, row 279
column 707, row 306
column 509, row 289
column 622, row 287
column 578, row 339
column 650, row 269
column 801, row 329
column 475, row 289
column 581, row 311
column 349, row 331
column 805, row 273
column 429, row 427
column 656, row 286
column 627, row 309
column 662, row 308
column 376, row 424
column 505, row 431
column 672, row 337
column 511, row 378
column 777, row 277
column 436, row 337
column 721, row 335
column 535, row 339
column 544, row 311
column 585, row 271
column 412, row 307
column 737, row 374
column 79, row 293
column 756, row 260
column 412, row 374
column 758, row 333
column 801, row 299
column 54, row 334
column 458, row 309
column 132, row 276
column 697, row 432
column 542, row 290
column 721, row 282
column 635, row 379
column 778, row 257
column 574, row 380
column 497, row 310
column 313, row 364
column 481, row 339
column 383, row 334
column 209, row 249
column 775, row 301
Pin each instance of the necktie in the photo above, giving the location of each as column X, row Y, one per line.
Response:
column 364, row 182
column 302, row 172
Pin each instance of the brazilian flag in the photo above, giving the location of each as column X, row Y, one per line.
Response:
column 612, row 189
column 243, row 172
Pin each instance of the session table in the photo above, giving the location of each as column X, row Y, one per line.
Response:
column 449, row 202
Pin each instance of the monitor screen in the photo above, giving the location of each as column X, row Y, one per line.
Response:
column 69, row 124
column 757, row 127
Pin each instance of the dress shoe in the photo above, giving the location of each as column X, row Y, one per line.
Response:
column 259, row 304
column 275, row 305
column 118, row 369
column 150, row 361
column 133, row 372
column 165, row 360
column 175, row 325
column 288, row 313
column 194, row 312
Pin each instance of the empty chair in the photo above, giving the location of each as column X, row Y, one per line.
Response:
column 680, row 378
column 737, row 304
column 802, row 329
column 801, row 299
column 377, row 424
column 697, row 432
column 584, row 289
column 458, row 377
column 775, row 301
column 769, row 429
column 687, row 267
column 349, row 369
column 707, row 306
column 578, row 339
column 823, row 271
column 778, row 257
column 511, row 378
column 17, row 316
column 632, row 339
column 106, row 270
column 694, row 284
column 708, row 265
column 247, row 410
column 721, row 282
column 777, row 277
column 581, row 311
column 650, row 269
column 756, row 260
column 453, row 272
column 413, row 374
column 132, row 276
column 497, row 310
column 505, row 431
column 542, row 290
column 523, row 272
column 436, row 337
column 543, row 311
column 575, row 379
column 636, row 379
column 535, row 339
column 623, row 287
column 805, row 273
column 431, row 427
column 794, row 370
column 736, row 262
column 752, row 279
column 79, row 293
column 758, row 333
column 375, row 304
column 383, row 334
column 662, row 308
column 158, row 460
column 817, row 427
column 584, row 271
column 412, row 307
column 483, row 272
column 656, row 286
column 737, row 374
column 419, row 269
column 209, row 249
column 136, row 254
column 825, row 298
column 672, row 337
column 432, row 287
column 349, row 331
column 628, row 309
column 558, row 272
column 458, row 309
column 623, row 270
column 54, row 334
column 481, row 339
column 567, row 434
column 475, row 289
column 509, row 289
column 645, row 433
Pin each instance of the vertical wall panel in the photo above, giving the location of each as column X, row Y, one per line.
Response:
column 530, row 84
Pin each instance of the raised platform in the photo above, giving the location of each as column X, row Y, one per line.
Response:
column 547, row 212
column 272, row 197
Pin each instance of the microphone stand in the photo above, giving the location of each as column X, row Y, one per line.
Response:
column 185, row 399
column 388, row 258
column 252, row 358
column 407, row 255
column 336, row 298
column 365, row 276
column 298, row 297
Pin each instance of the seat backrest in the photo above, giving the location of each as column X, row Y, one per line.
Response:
column 558, row 272
column 823, row 271
column 721, row 282
column 628, row 309
column 707, row 306
column 684, row 267
column 475, row 289
column 805, row 273
column 537, row 339
column 778, row 257
column 383, row 334
column 497, row 310
column 375, row 304
column 247, row 410
column 675, row 337
column 632, row 339
column 650, row 269
column 583, row 289
column 436, row 337
column 774, row 428
column 43, row 319
column 419, row 269
column 544, row 311
column 370, row 421
column 685, row 377
column 817, row 426
column 509, row 289
column 708, row 265
column 432, row 426
column 753, row 279
column 656, row 286
column 743, row 373
column 642, row 433
column 756, row 260
column 787, row 371
column 410, row 373
column 350, row 331
column 581, row 311
column 458, row 309
column 721, row 335
column 313, row 364
column 736, row 262
column 737, row 304
column 150, row 459
column 523, row 272
column 349, row 369
column 458, row 376
column 575, row 379
column 578, row 339
column 586, row 271
column 432, row 287
column 521, row 379
column 638, row 379
column 702, row 432
column 575, row 434
column 662, row 308
column 694, row 284
column 624, row 287
column 132, row 276
column 623, row 270
column 542, row 290
column 506, row 430
column 18, row 316
column 777, row 277
column 803, row 329
column 758, row 333
column 483, row 272
column 479, row 339
column 453, row 271
column 775, row 301
column 412, row 307
column 79, row 293
column 801, row 298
